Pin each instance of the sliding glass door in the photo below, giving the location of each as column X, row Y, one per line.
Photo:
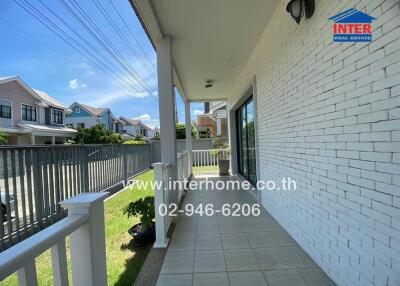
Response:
column 246, row 140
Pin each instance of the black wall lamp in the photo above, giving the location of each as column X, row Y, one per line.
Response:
column 298, row 8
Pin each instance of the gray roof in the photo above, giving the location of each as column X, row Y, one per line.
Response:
column 97, row 111
column 49, row 100
column 129, row 121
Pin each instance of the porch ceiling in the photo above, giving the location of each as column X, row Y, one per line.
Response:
column 211, row 39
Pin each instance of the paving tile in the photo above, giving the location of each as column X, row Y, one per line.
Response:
column 282, row 238
column 182, row 242
column 266, row 258
column 209, row 261
column 210, row 279
column 286, row 277
column 240, row 260
column 254, row 226
column 315, row 277
column 261, row 239
column 186, row 228
column 230, row 227
column 247, row 278
column 178, row 262
column 175, row 280
column 234, row 241
column 208, row 241
column 207, row 228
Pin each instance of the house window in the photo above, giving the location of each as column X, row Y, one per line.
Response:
column 5, row 111
column 28, row 112
column 77, row 110
column 57, row 116
column 80, row 125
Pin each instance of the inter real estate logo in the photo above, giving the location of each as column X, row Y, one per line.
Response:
column 352, row 26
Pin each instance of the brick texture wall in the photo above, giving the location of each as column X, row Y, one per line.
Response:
column 329, row 117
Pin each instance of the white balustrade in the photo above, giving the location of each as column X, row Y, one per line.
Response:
column 208, row 158
column 163, row 187
column 85, row 226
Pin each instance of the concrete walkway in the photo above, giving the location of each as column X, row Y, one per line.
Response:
column 234, row 251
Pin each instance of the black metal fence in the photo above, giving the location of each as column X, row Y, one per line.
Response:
column 34, row 179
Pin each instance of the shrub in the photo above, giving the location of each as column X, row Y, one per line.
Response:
column 143, row 207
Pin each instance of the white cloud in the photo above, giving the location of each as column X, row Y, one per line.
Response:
column 144, row 117
column 148, row 120
column 141, row 94
column 76, row 83
column 198, row 112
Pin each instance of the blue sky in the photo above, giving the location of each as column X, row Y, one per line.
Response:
column 45, row 62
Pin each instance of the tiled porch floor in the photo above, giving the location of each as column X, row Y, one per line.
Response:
column 235, row 251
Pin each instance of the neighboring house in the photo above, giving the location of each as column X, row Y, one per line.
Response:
column 86, row 116
column 214, row 121
column 31, row 116
column 130, row 127
column 147, row 131
column 135, row 127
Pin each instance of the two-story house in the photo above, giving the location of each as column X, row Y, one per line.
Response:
column 86, row 116
column 135, row 127
column 213, row 122
column 31, row 116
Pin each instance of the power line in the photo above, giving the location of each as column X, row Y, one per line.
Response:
column 29, row 36
column 122, row 36
column 105, row 42
column 102, row 58
column 132, row 34
column 66, row 38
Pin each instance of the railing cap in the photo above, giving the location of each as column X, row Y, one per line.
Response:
column 157, row 164
column 85, row 200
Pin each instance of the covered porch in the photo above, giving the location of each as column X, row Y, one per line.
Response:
column 204, row 62
column 234, row 250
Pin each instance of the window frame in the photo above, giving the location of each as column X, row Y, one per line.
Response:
column 32, row 110
column 1, row 111
column 59, row 116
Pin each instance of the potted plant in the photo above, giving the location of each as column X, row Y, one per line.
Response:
column 143, row 232
column 222, row 153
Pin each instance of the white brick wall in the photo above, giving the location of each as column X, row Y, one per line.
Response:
column 328, row 116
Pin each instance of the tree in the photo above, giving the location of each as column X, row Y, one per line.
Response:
column 181, row 131
column 3, row 138
column 97, row 135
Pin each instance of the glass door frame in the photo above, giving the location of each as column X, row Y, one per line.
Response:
column 241, row 159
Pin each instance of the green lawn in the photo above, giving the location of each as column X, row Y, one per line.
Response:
column 123, row 260
column 206, row 170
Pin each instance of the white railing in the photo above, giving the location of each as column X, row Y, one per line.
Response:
column 85, row 226
column 165, row 194
column 207, row 161
column 183, row 171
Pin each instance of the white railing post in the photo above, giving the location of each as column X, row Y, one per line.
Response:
column 59, row 262
column 88, row 246
column 159, row 199
column 27, row 275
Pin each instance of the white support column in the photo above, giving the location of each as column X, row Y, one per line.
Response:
column 166, row 95
column 33, row 139
column 219, row 129
column 188, row 124
column 53, row 140
column 159, row 199
column 88, row 245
